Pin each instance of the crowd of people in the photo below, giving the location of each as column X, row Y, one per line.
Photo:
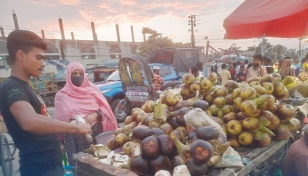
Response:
column 260, row 65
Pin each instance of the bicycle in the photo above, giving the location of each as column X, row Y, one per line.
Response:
column 7, row 151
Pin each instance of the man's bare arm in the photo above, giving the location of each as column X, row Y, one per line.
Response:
column 35, row 123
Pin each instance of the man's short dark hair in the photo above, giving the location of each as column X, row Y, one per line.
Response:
column 194, row 69
column 287, row 57
column 246, row 62
column 267, row 60
column 223, row 66
column 199, row 65
column 23, row 40
column 258, row 57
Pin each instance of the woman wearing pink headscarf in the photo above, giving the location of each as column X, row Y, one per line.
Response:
column 80, row 97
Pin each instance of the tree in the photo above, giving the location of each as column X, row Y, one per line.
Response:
column 251, row 48
column 155, row 41
column 279, row 52
column 292, row 53
column 267, row 49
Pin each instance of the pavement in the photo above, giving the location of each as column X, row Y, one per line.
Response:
column 15, row 163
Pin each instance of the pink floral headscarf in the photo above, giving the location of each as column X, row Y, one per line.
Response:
column 83, row 100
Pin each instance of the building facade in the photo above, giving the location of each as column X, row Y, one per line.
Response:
column 87, row 52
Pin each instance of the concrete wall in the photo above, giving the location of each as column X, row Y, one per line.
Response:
column 73, row 52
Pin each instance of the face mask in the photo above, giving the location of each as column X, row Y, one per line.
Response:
column 77, row 80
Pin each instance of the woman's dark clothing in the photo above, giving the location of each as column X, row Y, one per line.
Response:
column 77, row 143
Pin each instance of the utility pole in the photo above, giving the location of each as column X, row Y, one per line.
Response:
column 262, row 49
column 262, row 46
column 206, row 58
column 299, row 49
column 192, row 23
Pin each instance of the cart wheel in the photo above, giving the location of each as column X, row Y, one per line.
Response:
column 121, row 111
column 6, row 155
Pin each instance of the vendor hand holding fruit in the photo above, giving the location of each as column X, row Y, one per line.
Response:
column 80, row 97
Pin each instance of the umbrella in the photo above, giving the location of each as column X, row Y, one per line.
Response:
column 272, row 18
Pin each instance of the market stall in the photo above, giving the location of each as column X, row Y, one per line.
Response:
column 203, row 128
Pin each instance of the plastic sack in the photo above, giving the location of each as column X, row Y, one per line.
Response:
column 181, row 170
column 230, row 158
column 302, row 88
column 162, row 173
column 196, row 118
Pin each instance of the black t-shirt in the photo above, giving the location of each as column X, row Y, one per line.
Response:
column 241, row 74
column 38, row 153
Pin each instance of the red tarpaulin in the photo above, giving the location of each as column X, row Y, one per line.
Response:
column 272, row 18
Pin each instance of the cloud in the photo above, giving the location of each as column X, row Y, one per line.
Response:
column 166, row 17
column 135, row 10
column 68, row 2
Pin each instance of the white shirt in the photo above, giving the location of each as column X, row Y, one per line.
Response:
column 237, row 69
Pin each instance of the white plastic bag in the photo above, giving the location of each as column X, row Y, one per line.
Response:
column 162, row 173
column 196, row 118
column 181, row 170
column 230, row 158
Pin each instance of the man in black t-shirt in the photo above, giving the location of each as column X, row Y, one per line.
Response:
column 24, row 112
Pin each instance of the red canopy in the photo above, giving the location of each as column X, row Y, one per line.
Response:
column 272, row 18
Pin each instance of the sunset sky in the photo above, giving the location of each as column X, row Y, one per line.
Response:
column 164, row 16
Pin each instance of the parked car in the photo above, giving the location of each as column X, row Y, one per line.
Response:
column 100, row 74
column 112, row 88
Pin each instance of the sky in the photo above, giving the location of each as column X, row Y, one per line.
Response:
column 168, row 17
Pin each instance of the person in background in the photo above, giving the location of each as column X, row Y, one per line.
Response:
column 25, row 113
column 268, row 65
column 237, row 68
column 232, row 71
column 214, row 69
column 295, row 162
column 199, row 65
column 242, row 74
column 246, row 64
column 300, row 68
column 158, row 80
column 257, row 70
column 80, row 97
column 224, row 74
column 286, row 69
column 195, row 71
column 249, row 65
column 296, row 63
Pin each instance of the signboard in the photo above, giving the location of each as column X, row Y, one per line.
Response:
column 137, row 95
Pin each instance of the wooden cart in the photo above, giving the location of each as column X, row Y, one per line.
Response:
column 258, row 161
column 265, row 161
